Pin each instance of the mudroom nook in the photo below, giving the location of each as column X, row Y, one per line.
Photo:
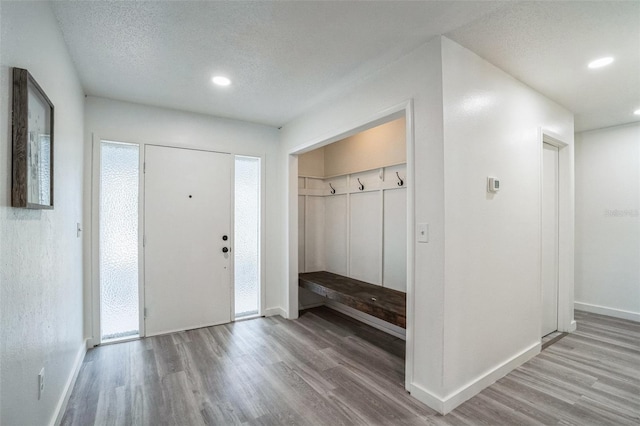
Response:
column 352, row 199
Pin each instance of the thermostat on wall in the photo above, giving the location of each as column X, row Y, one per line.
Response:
column 493, row 184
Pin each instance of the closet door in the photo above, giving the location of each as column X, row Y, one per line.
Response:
column 365, row 232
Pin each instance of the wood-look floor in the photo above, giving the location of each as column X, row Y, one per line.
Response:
column 327, row 369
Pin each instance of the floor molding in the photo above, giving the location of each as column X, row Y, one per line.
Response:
column 603, row 310
column 470, row 390
column 68, row 387
column 545, row 345
column 274, row 311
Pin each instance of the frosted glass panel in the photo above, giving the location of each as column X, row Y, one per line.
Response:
column 247, row 235
column 119, row 181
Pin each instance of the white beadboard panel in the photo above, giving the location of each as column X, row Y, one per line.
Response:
column 365, row 236
column 313, row 183
column 391, row 177
column 335, row 214
column 301, row 233
column 314, row 234
column 301, row 184
column 339, row 183
column 370, row 179
column 395, row 239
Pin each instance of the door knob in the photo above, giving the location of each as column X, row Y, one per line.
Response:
column 225, row 250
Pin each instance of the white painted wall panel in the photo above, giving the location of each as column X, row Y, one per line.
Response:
column 336, row 234
column 365, row 236
column 41, row 309
column 608, row 221
column 493, row 242
column 314, row 234
column 370, row 179
column 395, row 239
column 315, row 183
column 301, row 233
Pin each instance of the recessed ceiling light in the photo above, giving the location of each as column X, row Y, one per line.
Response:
column 637, row 112
column 221, row 81
column 602, row 62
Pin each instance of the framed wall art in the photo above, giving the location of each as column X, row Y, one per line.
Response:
column 32, row 134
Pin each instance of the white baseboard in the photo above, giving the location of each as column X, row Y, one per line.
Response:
column 68, row 387
column 274, row 311
column 450, row 402
column 374, row 322
column 604, row 310
column 427, row 398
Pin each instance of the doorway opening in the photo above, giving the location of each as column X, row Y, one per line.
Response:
column 399, row 264
column 352, row 197
column 550, row 238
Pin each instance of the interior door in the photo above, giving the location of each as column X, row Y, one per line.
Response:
column 187, row 208
column 549, row 239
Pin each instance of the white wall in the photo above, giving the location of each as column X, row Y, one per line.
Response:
column 492, row 246
column 474, row 304
column 40, row 255
column 128, row 122
column 381, row 146
column 608, row 221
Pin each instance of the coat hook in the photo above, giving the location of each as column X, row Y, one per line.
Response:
column 333, row 190
column 401, row 182
column 361, row 186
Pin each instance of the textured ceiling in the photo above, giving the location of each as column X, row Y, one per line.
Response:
column 281, row 56
column 547, row 45
column 285, row 57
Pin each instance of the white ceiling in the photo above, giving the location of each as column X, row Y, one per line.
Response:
column 285, row 57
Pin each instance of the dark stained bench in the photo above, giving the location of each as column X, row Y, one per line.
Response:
column 384, row 303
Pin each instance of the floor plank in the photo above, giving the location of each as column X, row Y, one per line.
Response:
column 328, row 369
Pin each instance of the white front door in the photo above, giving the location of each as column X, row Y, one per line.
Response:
column 549, row 239
column 187, row 212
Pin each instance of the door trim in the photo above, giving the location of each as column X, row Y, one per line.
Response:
column 566, row 323
column 403, row 109
column 93, row 259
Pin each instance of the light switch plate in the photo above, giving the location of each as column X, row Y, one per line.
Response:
column 423, row 232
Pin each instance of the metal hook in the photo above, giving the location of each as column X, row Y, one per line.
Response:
column 361, row 186
column 400, row 179
column 333, row 190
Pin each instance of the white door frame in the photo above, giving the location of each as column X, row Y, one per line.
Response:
column 404, row 109
column 566, row 323
column 94, row 261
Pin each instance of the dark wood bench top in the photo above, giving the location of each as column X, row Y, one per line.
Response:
column 384, row 303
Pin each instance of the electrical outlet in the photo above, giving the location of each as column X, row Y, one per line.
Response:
column 41, row 383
